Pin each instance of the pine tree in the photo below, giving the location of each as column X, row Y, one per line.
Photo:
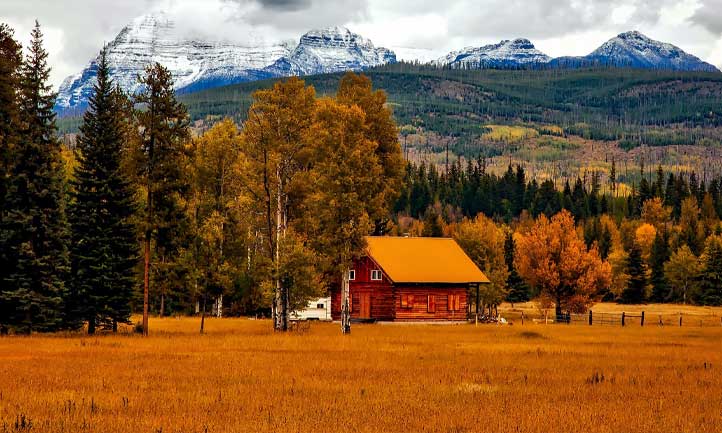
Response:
column 710, row 280
column 161, row 164
column 104, row 249
column 34, row 227
column 635, row 292
column 10, row 61
column 518, row 290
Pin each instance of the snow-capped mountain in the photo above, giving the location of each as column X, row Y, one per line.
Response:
column 519, row 52
column 197, row 64
column 332, row 49
column 633, row 49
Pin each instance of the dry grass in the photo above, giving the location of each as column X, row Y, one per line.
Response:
column 240, row 377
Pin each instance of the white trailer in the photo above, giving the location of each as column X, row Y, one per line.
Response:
column 317, row 309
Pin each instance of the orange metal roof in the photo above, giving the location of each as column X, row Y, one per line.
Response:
column 423, row 260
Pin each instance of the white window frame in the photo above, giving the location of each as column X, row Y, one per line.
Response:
column 376, row 275
column 351, row 274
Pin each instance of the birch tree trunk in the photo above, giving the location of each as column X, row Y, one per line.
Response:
column 278, row 298
column 345, row 310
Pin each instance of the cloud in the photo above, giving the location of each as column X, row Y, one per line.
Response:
column 76, row 29
column 709, row 16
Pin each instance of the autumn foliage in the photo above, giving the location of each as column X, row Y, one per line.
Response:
column 554, row 259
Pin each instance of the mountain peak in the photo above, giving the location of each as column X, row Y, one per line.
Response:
column 197, row 63
column 507, row 53
column 634, row 49
column 331, row 49
column 633, row 34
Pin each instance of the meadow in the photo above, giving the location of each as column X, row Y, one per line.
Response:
column 240, row 376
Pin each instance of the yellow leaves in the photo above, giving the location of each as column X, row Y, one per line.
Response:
column 655, row 213
column 552, row 257
column 483, row 241
column 509, row 134
column 644, row 237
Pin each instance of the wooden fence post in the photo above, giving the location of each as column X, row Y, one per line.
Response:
column 590, row 317
column 622, row 318
column 680, row 319
column 642, row 318
column 522, row 317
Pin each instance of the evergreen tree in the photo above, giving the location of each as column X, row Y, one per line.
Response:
column 161, row 163
column 10, row 61
column 104, row 248
column 518, row 291
column 710, row 280
column 635, row 292
column 659, row 255
column 34, row 229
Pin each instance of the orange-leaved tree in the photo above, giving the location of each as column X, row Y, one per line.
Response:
column 553, row 258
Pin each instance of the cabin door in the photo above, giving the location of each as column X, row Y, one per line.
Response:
column 365, row 305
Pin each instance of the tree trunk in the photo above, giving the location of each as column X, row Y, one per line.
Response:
column 345, row 311
column 115, row 326
column 203, row 313
column 281, row 323
column 162, row 304
column 146, row 282
column 558, row 307
column 91, row 325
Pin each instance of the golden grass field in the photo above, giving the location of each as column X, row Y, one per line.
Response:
column 241, row 377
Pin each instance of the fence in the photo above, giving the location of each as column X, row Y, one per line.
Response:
column 636, row 318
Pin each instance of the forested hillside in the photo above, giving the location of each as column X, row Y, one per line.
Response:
column 557, row 123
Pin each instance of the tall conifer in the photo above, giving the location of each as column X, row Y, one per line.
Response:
column 10, row 61
column 104, row 248
column 34, row 227
column 162, row 160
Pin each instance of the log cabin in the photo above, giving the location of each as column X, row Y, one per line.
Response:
column 410, row 279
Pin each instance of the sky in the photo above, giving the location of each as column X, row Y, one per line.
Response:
column 75, row 30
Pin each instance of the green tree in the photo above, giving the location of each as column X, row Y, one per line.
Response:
column 161, row 163
column 10, row 62
column 34, row 227
column 710, row 279
column 635, row 292
column 104, row 248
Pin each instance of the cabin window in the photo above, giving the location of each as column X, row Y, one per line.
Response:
column 431, row 304
column 375, row 275
column 320, row 306
column 454, row 303
column 407, row 301
column 351, row 274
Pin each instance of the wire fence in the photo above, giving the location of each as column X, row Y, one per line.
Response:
column 635, row 318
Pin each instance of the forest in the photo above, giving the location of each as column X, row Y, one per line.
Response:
column 261, row 194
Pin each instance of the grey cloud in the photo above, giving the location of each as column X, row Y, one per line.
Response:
column 548, row 18
column 709, row 16
column 303, row 15
column 286, row 4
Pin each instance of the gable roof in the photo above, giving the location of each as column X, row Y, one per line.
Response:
column 423, row 260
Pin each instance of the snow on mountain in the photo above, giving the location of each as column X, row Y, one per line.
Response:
column 518, row 52
column 633, row 49
column 332, row 49
column 198, row 64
